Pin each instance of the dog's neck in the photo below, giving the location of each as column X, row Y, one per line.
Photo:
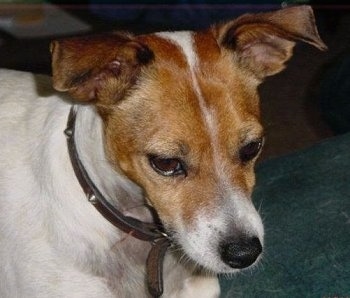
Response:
column 117, row 189
column 130, row 225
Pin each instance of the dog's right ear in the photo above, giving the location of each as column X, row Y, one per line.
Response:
column 263, row 42
column 85, row 66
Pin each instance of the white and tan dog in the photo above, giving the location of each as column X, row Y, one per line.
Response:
column 169, row 120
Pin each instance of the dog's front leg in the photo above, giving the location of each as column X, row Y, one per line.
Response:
column 199, row 286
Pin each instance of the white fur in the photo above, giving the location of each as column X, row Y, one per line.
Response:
column 53, row 242
column 198, row 286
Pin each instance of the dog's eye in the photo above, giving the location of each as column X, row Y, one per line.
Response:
column 167, row 166
column 250, row 150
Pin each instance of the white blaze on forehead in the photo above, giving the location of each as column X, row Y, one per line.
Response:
column 185, row 41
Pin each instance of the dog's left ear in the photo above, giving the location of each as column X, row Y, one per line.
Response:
column 98, row 68
column 263, row 42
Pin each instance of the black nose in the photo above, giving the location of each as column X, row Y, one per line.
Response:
column 240, row 252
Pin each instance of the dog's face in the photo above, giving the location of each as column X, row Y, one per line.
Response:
column 181, row 119
column 189, row 134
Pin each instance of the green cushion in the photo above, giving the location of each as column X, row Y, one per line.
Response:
column 305, row 204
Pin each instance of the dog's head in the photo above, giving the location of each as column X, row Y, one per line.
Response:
column 181, row 119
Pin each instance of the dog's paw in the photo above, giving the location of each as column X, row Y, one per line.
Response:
column 199, row 286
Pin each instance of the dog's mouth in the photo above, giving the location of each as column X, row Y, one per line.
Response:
column 226, row 242
column 210, row 246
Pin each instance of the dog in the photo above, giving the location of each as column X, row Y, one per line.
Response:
column 165, row 128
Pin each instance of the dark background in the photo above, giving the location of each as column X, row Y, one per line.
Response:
column 290, row 101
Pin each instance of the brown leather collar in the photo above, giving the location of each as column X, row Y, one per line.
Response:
column 151, row 232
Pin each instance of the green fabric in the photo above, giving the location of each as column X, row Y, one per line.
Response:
column 305, row 204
